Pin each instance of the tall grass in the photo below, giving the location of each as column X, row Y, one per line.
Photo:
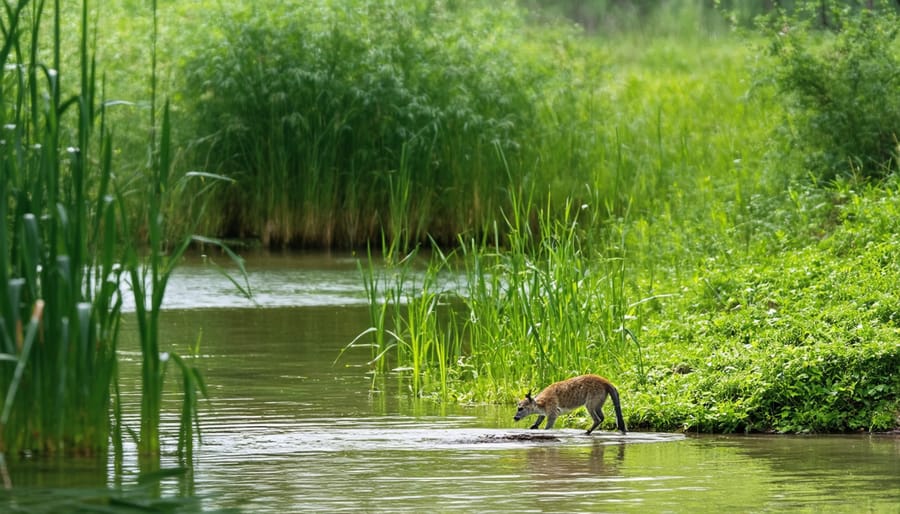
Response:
column 352, row 122
column 501, row 317
column 59, row 242
column 67, row 243
column 343, row 118
column 651, row 161
column 150, row 267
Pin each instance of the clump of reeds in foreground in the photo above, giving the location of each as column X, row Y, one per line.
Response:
column 67, row 243
column 58, row 246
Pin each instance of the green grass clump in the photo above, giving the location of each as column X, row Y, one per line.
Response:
column 488, row 317
column 341, row 120
column 59, row 314
column 68, row 240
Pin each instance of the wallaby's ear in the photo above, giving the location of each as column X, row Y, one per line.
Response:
column 528, row 395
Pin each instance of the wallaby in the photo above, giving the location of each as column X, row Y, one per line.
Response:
column 561, row 397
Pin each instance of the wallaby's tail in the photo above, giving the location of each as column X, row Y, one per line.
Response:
column 620, row 421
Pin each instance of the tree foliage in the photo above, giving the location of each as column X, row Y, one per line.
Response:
column 836, row 72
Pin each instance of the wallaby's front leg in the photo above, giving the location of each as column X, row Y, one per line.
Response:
column 551, row 419
column 537, row 423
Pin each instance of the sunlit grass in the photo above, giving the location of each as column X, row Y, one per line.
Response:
column 669, row 147
column 674, row 269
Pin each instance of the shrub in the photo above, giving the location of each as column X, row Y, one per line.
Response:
column 829, row 386
column 802, row 340
column 839, row 87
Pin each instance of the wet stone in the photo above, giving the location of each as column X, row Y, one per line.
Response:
column 523, row 437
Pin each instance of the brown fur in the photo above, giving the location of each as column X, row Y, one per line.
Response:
column 561, row 397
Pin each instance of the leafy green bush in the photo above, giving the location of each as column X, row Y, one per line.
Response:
column 839, row 87
column 829, row 386
column 802, row 340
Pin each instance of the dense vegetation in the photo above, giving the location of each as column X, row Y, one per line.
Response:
column 737, row 281
column 841, row 92
column 705, row 215
column 341, row 121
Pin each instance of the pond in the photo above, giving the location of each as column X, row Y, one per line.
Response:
column 286, row 429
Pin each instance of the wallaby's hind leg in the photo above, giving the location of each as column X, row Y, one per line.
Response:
column 537, row 423
column 597, row 414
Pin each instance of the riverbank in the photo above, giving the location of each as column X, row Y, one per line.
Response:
column 627, row 204
column 798, row 333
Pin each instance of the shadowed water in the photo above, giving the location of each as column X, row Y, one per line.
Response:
column 286, row 429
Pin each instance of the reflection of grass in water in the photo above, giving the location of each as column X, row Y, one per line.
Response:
column 137, row 498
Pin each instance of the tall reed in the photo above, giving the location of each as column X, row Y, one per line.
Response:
column 59, row 240
column 358, row 119
column 67, row 241
column 151, row 268
column 413, row 330
column 502, row 316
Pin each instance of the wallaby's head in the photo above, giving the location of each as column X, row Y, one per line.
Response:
column 526, row 407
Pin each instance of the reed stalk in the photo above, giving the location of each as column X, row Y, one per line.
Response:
column 58, row 245
column 151, row 268
column 66, row 245
column 540, row 307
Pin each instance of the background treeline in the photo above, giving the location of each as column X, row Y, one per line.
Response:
column 630, row 15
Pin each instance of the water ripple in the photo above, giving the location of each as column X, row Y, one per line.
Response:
column 280, row 437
